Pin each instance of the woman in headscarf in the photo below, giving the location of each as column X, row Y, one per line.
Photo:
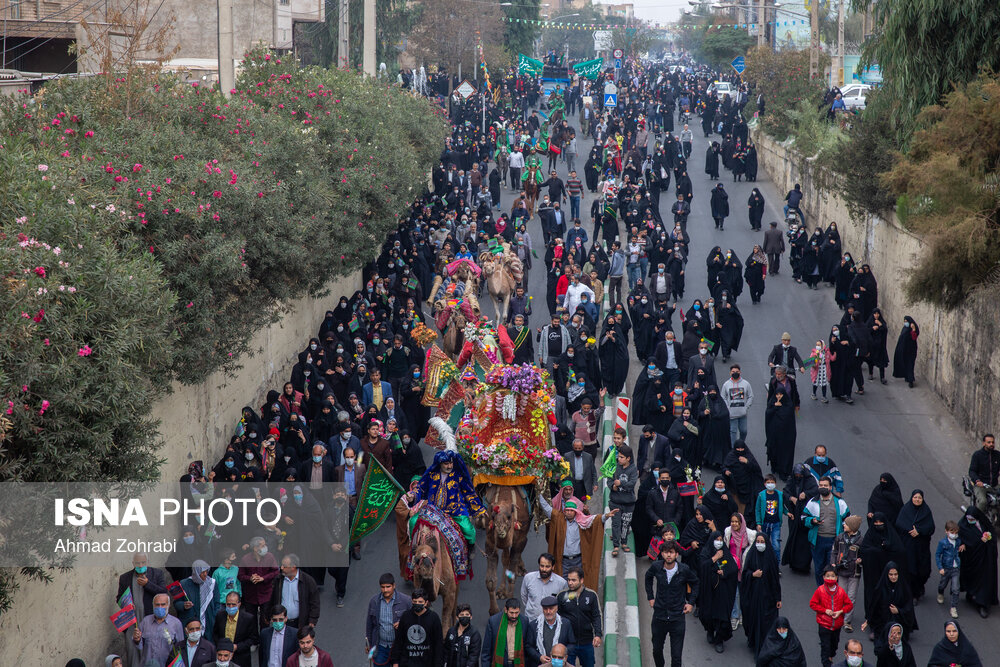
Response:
column 915, row 525
column 642, row 313
column 189, row 549
column 893, row 603
column 683, row 434
column 978, row 567
column 810, row 265
column 864, row 291
column 755, row 205
column 840, row 379
column 893, row 651
column 878, row 356
column 844, row 278
column 755, row 273
column 614, row 356
column 113, row 660
column 885, row 498
column 800, row 488
column 720, row 504
column 731, row 320
column 411, row 390
column 592, row 168
column 744, row 476
column 879, row 547
column 713, row 425
column 781, row 647
column 200, row 599
column 760, row 591
column 905, row 356
column 780, row 432
column 695, row 535
column 751, row 164
column 718, row 574
column 954, row 649
column 714, row 262
column 712, row 161
column 829, row 254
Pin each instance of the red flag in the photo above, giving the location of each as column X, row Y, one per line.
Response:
column 176, row 591
column 124, row 617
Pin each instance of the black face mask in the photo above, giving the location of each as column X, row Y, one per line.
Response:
column 464, row 621
column 824, row 492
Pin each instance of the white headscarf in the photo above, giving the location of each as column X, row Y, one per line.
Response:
column 206, row 588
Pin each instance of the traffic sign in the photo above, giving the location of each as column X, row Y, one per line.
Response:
column 618, row 63
column 466, row 90
column 739, row 64
column 617, row 54
column 610, row 88
column 610, row 99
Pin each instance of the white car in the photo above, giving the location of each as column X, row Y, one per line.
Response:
column 720, row 89
column 854, row 95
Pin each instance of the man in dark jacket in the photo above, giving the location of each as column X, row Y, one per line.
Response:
column 676, row 592
column 319, row 469
column 557, row 189
column 195, row 650
column 463, row 643
column 419, row 635
column 520, row 336
column 550, row 629
column 581, row 607
column 381, row 635
column 514, row 623
column 785, row 354
column 239, row 626
column 295, row 586
column 279, row 637
column 145, row 582
column 984, row 471
column 663, row 504
column 774, row 246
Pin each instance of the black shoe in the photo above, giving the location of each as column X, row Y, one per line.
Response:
column 984, row 612
column 719, row 648
column 849, row 401
column 911, row 387
column 883, row 381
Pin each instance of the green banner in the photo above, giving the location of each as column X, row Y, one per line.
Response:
column 526, row 65
column 589, row 69
column 610, row 463
column 376, row 501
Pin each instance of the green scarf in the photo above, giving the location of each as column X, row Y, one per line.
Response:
column 501, row 647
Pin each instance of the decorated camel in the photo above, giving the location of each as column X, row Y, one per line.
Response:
column 503, row 272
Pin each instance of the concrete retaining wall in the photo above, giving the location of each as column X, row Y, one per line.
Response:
column 957, row 354
column 196, row 423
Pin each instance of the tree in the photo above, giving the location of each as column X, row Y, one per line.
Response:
column 447, row 33
column 783, row 78
column 949, row 185
column 580, row 42
column 721, row 45
column 521, row 27
column 633, row 39
column 393, row 19
column 924, row 47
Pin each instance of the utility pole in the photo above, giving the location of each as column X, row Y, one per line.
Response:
column 368, row 49
column 840, row 44
column 761, row 22
column 344, row 35
column 814, row 39
column 227, row 73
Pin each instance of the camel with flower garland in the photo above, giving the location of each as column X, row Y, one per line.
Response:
column 499, row 418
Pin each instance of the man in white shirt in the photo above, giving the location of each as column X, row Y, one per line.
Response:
column 516, row 165
column 540, row 584
column 573, row 293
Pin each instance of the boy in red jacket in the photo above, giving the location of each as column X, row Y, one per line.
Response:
column 830, row 602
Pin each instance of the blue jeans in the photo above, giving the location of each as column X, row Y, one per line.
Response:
column 633, row 275
column 737, row 428
column 574, row 208
column 950, row 576
column 382, row 654
column 773, row 532
column 585, row 652
column 821, row 556
column 643, row 267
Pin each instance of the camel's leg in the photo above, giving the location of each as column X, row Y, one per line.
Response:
column 491, row 575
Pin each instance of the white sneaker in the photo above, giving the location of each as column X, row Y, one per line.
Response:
column 953, row 612
column 735, row 623
column 940, row 598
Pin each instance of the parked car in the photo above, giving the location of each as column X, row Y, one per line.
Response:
column 854, row 95
column 720, row 89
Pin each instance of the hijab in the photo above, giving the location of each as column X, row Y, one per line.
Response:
column 697, row 531
column 886, row 498
column 776, row 651
column 947, row 653
column 738, row 541
column 913, row 516
column 206, row 588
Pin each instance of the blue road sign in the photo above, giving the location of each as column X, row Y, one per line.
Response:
column 618, row 63
column 739, row 64
column 611, row 99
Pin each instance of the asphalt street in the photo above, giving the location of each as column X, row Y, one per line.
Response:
column 890, row 428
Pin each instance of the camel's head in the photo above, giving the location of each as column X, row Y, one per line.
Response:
column 424, row 559
column 503, row 519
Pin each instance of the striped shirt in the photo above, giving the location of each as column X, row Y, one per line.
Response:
column 574, row 187
column 386, row 631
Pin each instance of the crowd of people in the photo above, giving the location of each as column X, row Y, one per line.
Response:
column 354, row 395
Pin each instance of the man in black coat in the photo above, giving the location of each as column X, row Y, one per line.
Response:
column 277, row 632
column 663, row 504
column 512, row 610
column 557, row 189
column 652, row 446
column 244, row 633
column 664, row 357
column 520, row 336
column 785, row 354
column 200, row 653
column 550, row 629
column 704, row 360
column 676, row 592
column 582, row 471
column 463, row 644
column 324, row 467
column 295, row 579
column 149, row 580
column 984, row 471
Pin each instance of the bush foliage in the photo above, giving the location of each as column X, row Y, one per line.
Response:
column 141, row 248
column 783, row 78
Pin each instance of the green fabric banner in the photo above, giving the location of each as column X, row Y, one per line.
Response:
column 610, row 463
column 376, row 501
column 526, row 65
column 589, row 68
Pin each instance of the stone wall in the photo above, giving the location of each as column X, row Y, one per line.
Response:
column 196, row 423
column 957, row 354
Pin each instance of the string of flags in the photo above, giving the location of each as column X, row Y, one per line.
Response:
column 559, row 25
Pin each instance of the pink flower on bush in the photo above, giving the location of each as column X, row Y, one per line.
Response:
column 85, row 351
column 190, row 304
column 40, row 270
column 39, row 315
column 43, row 167
column 46, row 342
column 45, row 406
column 88, row 134
column 136, row 167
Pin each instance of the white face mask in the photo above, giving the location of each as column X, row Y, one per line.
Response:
column 349, row 461
column 769, row 486
column 760, row 546
column 717, row 544
column 854, row 660
column 194, row 637
column 702, row 351
column 952, row 536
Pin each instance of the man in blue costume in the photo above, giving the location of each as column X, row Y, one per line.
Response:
column 447, row 485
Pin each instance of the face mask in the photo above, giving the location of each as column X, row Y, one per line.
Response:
column 717, row 544
column 340, row 350
column 952, row 536
column 464, row 621
column 307, row 373
column 678, row 391
column 222, row 663
column 570, row 354
column 248, row 456
column 349, row 461
column 263, row 550
column 783, row 635
column 230, row 464
column 140, row 570
column 968, row 517
column 720, row 489
column 278, row 625
column 697, row 306
column 854, row 660
column 651, row 369
column 820, row 459
column 320, row 386
column 677, row 457
column 832, row 585
column 312, row 346
column 558, row 662
column 582, row 384
column 188, row 539
column 418, row 607
column 376, row 341
column 645, row 301
column 232, row 611
column 824, row 492
column 253, row 435
column 769, row 486
column 160, row 612
column 702, row 351
column 416, row 374
column 194, row 637
column 317, row 459
column 297, row 498
column 735, row 376
column 287, row 459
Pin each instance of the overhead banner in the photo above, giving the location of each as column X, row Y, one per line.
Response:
column 526, row 65
column 589, row 69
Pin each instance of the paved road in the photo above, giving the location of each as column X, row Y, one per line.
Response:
column 889, row 428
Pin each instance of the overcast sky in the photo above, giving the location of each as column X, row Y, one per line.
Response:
column 662, row 11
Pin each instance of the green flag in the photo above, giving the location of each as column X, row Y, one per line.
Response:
column 709, row 343
column 610, row 462
column 378, row 497
column 526, row 65
column 589, row 68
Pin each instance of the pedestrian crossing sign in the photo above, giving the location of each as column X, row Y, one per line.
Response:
column 610, row 99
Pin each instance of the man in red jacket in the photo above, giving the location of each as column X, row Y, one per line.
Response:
column 830, row 602
column 309, row 653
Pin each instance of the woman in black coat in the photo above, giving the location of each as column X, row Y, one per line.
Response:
column 755, row 205
column 878, row 355
column 720, row 503
column 720, row 206
column 781, row 651
column 695, row 535
column 713, row 423
column 978, row 568
column 712, row 161
column 718, row 574
column 683, row 434
column 893, row 603
column 780, row 433
column 760, row 591
column 614, row 357
column 592, row 169
column 954, row 649
column 751, row 166
column 915, row 525
column 879, row 547
column 800, row 488
column 744, row 478
column 842, row 284
column 886, row 498
column 905, row 356
column 829, row 254
column 891, row 650
column 732, row 324
column 841, row 380
column 864, row 291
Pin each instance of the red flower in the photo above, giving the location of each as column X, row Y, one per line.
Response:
column 39, row 315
